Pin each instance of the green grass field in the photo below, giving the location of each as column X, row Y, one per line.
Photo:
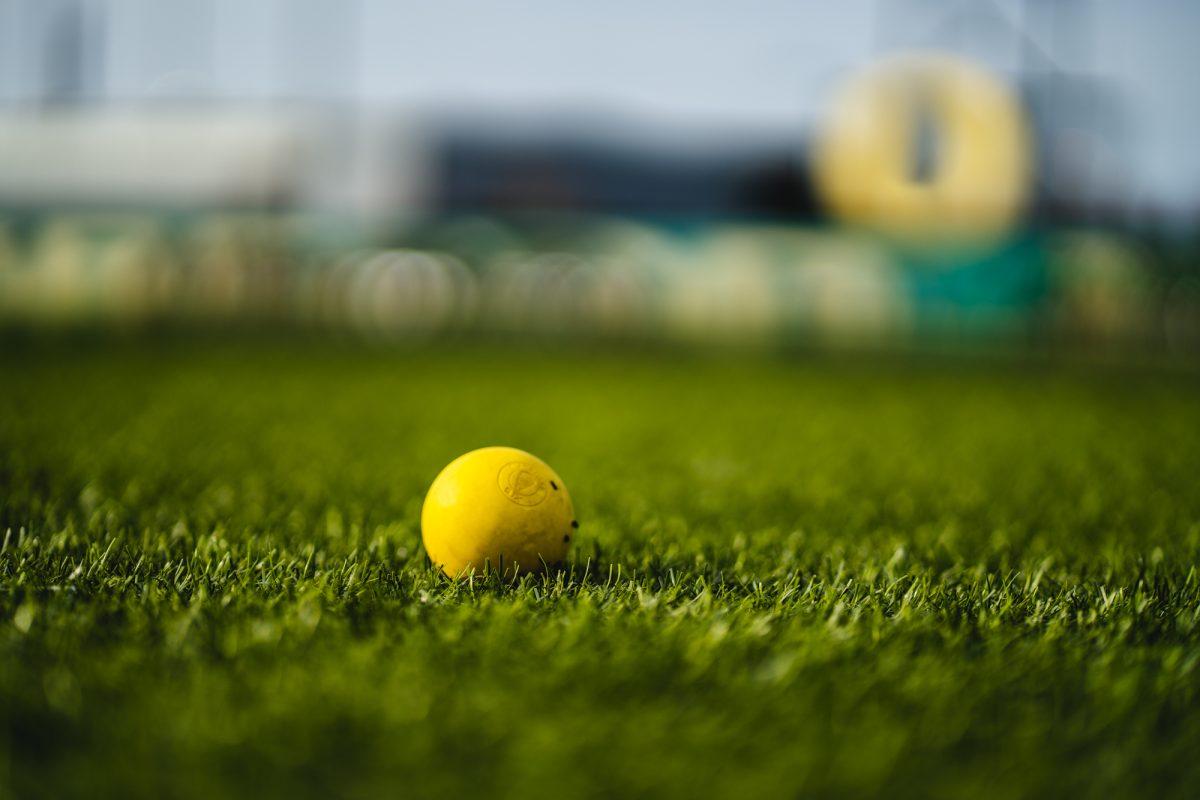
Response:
column 794, row 575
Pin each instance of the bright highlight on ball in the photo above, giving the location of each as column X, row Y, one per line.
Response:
column 498, row 508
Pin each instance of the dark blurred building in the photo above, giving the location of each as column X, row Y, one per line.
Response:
column 474, row 173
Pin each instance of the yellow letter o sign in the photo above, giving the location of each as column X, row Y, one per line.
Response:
column 926, row 148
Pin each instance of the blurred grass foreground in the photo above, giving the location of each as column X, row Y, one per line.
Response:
column 791, row 577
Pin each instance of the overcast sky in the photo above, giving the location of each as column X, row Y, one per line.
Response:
column 766, row 64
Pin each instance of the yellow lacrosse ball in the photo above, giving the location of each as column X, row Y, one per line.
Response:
column 500, row 508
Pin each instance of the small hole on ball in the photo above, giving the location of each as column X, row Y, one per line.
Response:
column 567, row 538
column 554, row 486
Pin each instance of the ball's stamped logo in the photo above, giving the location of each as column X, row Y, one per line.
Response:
column 521, row 485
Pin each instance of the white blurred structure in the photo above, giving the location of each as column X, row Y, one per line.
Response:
column 206, row 157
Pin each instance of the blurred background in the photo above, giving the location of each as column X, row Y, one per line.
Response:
column 861, row 173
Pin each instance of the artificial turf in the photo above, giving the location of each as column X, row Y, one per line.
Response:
column 795, row 575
